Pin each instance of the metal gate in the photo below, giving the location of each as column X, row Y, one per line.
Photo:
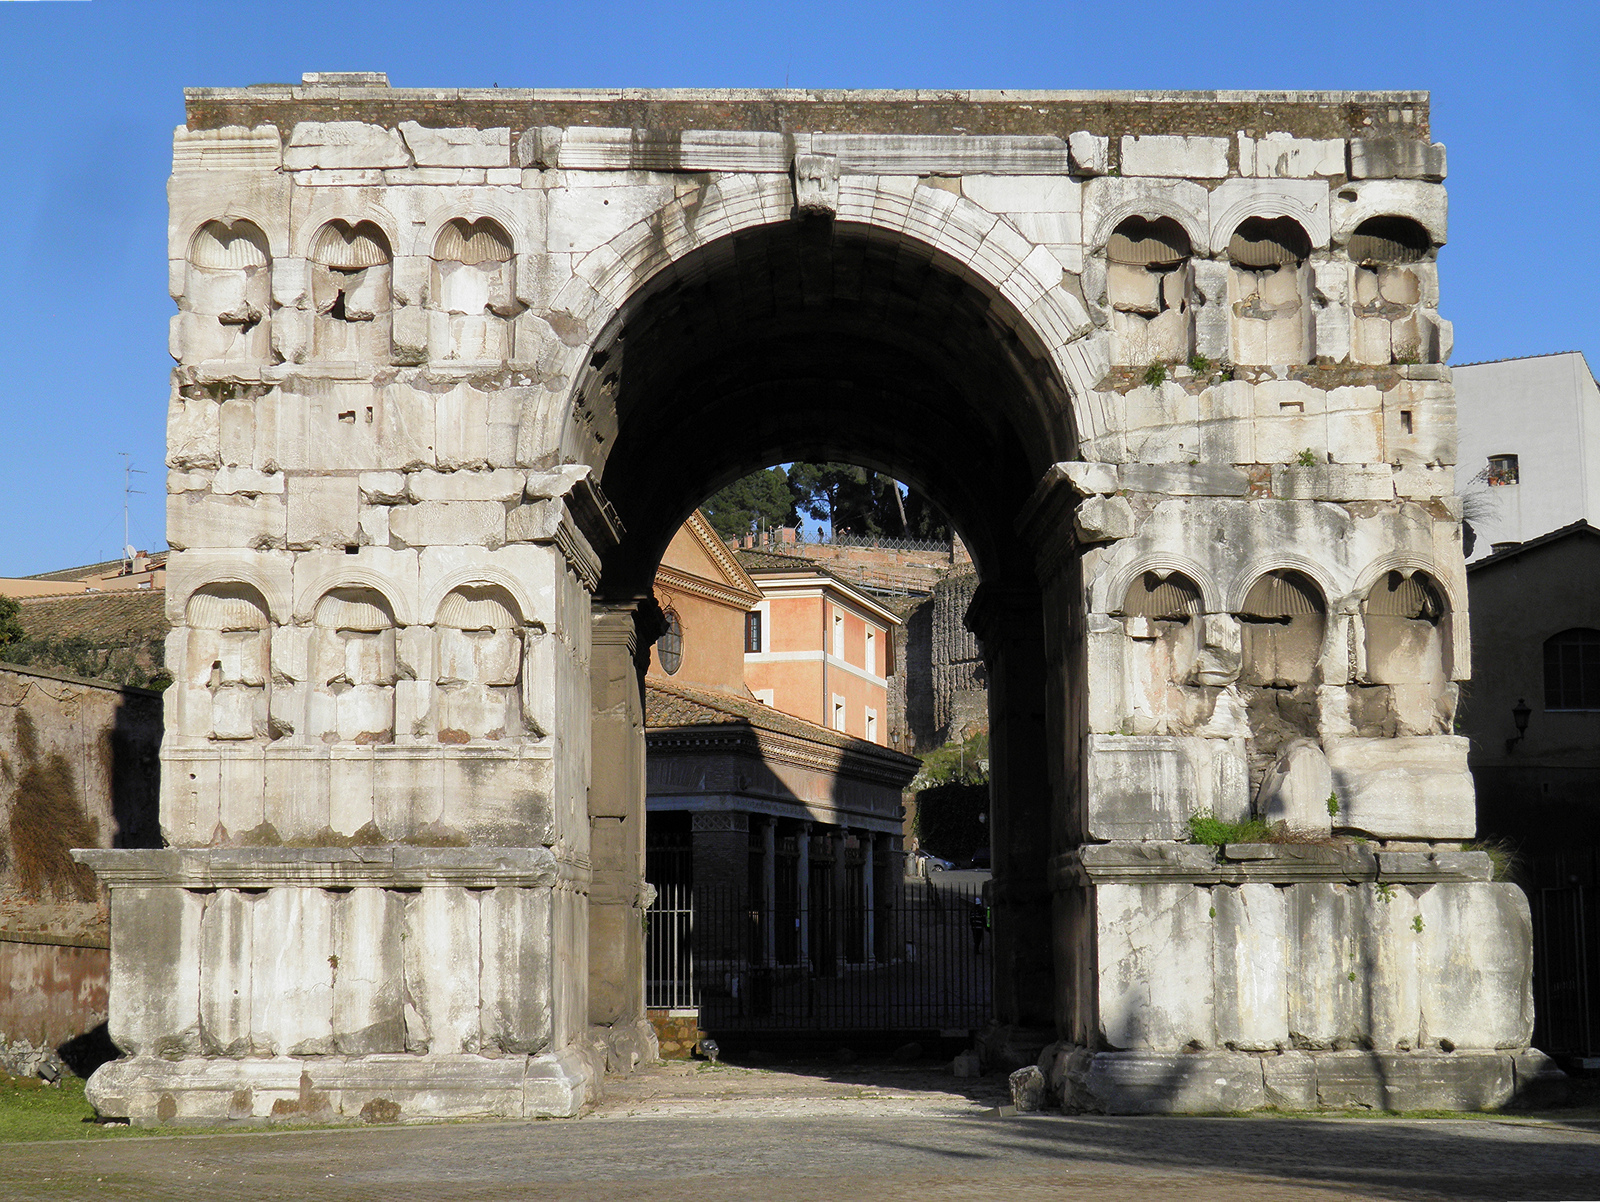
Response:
column 919, row 960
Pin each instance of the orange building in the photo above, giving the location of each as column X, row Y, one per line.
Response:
column 819, row 649
column 794, row 822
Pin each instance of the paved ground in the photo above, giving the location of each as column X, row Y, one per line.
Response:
column 830, row 1133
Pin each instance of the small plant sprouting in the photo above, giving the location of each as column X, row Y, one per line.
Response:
column 1213, row 911
column 1308, row 458
column 1206, row 828
column 1416, row 923
column 1155, row 375
column 1350, row 976
column 1386, row 891
column 1200, row 365
column 1333, row 805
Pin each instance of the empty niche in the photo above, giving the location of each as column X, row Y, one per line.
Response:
column 1148, row 289
column 351, row 291
column 1161, row 616
column 353, row 668
column 1282, row 623
column 1391, row 257
column 473, row 291
column 227, row 666
column 228, row 292
column 1407, row 631
column 479, row 637
column 1269, row 291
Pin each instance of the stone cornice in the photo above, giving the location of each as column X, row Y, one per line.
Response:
column 1269, row 863
column 394, row 866
column 739, row 580
column 709, row 589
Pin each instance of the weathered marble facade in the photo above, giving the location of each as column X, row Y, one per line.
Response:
column 453, row 366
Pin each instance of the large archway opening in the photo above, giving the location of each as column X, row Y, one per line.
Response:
column 818, row 340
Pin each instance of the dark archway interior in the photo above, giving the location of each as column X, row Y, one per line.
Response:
column 815, row 341
column 812, row 340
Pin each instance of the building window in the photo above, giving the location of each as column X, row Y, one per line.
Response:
column 838, row 637
column 872, row 726
column 752, row 632
column 838, row 712
column 669, row 647
column 1502, row 470
column 872, row 652
column 1572, row 670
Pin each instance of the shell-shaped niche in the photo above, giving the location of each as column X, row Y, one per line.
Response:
column 473, row 294
column 352, row 292
column 353, row 670
column 228, row 292
column 227, row 668
column 478, row 665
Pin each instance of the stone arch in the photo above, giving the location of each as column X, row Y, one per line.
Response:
column 472, row 291
column 249, row 573
column 970, row 240
column 326, row 210
column 352, row 290
column 1111, row 588
column 514, row 586
column 1281, row 561
column 1284, row 623
column 1270, row 203
column 1113, row 201
column 352, row 662
column 512, row 221
column 320, row 584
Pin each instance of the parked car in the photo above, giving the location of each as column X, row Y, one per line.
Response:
column 925, row 862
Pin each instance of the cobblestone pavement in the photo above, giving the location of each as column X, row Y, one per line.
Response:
column 875, row 1134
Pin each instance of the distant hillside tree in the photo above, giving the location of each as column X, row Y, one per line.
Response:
column 761, row 498
column 855, row 500
column 10, row 622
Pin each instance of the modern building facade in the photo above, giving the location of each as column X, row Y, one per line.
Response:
column 819, row 649
column 1529, row 458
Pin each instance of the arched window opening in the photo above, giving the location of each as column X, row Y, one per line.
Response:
column 227, row 666
column 479, row 665
column 353, row 668
column 1269, row 291
column 1572, row 670
column 473, row 292
column 669, row 647
column 228, row 292
column 1283, row 623
column 351, row 289
column 1148, row 287
column 1390, row 255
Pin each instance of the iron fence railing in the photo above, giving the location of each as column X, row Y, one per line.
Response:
column 1566, row 969
column 919, row 958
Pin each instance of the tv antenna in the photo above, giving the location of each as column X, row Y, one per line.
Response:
column 128, row 490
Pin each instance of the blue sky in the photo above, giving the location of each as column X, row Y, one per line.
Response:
column 92, row 90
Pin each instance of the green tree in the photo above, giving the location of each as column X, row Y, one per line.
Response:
column 10, row 622
column 854, row 500
column 762, row 496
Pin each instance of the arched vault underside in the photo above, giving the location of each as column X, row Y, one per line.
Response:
column 821, row 341
column 818, row 340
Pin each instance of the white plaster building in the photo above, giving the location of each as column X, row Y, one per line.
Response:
column 1529, row 446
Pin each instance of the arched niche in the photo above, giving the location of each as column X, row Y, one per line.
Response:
column 472, row 292
column 352, row 661
column 1408, row 636
column 1283, row 622
column 1392, row 260
column 227, row 664
column 478, row 664
column 352, row 292
column 1161, row 616
column 228, row 292
column 1269, row 291
column 1148, row 286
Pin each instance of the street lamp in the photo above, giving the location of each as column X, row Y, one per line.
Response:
column 1519, row 714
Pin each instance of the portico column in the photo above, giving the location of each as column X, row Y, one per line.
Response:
column 840, row 895
column 802, row 875
column 869, row 872
column 769, row 891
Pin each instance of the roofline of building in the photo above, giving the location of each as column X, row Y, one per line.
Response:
column 1578, row 527
column 827, row 578
column 1517, row 359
